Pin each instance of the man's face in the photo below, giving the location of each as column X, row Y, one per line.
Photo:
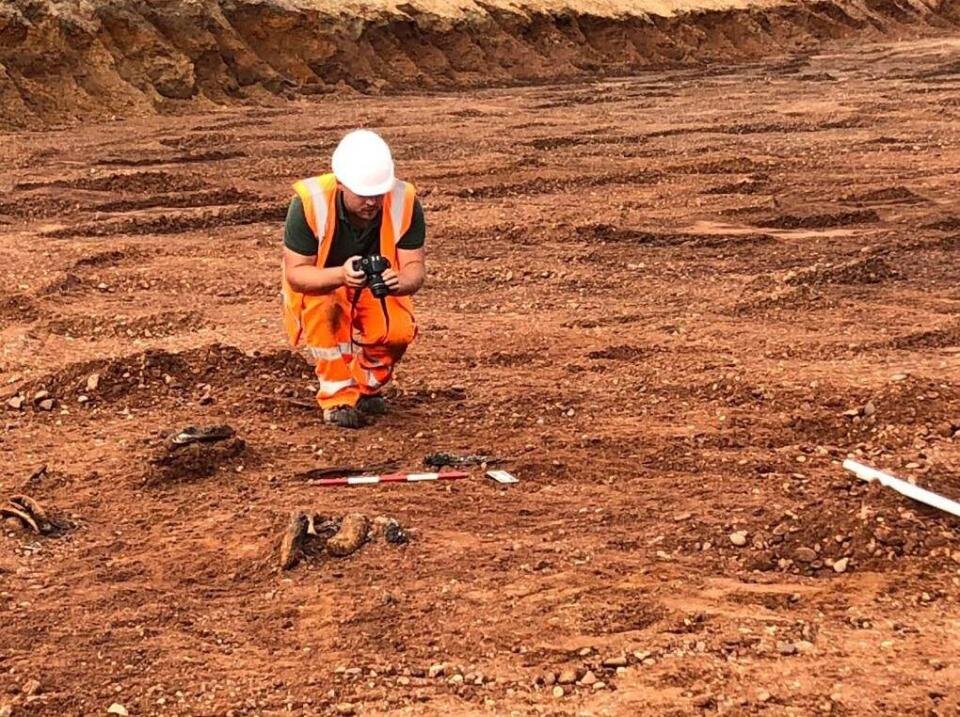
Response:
column 363, row 207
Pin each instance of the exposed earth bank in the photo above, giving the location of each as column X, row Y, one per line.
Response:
column 65, row 61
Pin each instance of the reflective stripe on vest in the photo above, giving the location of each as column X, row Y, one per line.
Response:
column 318, row 195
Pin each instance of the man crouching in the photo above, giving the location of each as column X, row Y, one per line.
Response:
column 353, row 256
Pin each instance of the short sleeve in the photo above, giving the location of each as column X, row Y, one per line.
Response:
column 297, row 235
column 416, row 235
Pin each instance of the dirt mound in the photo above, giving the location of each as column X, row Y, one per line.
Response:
column 144, row 378
column 932, row 338
column 888, row 195
column 17, row 308
column 174, row 459
column 821, row 221
column 177, row 223
column 790, row 297
column 64, row 61
column 947, row 224
column 869, row 270
column 128, row 182
column 165, row 323
column 857, row 527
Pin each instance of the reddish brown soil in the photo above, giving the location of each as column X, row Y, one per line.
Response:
column 674, row 301
column 62, row 62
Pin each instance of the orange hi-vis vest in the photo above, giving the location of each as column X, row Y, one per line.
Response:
column 319, row 195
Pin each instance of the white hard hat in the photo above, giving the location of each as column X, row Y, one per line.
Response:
column 363, row 164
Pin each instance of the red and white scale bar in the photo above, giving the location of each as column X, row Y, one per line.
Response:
column 390, row 478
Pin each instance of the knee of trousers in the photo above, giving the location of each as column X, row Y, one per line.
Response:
column 401, row 333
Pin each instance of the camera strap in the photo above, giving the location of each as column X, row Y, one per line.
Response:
column 353, row 315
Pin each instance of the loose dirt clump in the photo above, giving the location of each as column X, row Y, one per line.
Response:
column 144, row 379
column 947, row 224
column 18, row 309
column 888, row 195
column 864, row 528
column 152, row 326
column 192, row 454
column 869, row 270
column 821, row 221
column 799, row 297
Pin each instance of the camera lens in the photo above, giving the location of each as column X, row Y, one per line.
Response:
column 378, row 286
column 373, row 267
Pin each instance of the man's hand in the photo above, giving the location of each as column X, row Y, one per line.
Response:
column 353, row 278
column 392, row 279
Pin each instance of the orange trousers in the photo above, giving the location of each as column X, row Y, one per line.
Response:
column 354, row 357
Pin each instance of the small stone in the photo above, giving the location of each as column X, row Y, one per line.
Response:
column 599, row 685
column 841, row 565
column 869, row 409
column 403, row 681
column 83, row 399
column 739, row 538
column 6, row 711
column 704, row 702
column 46, row 404
column 897, row 377
column 456, row 679
column 566, row 677
column 558, row 692
column 805, row 555
column 117, row 709
column 804, row 647
column 617, row 661
column 93, row 382
column 40, row 396
column 436, row 670
column 206, row 399
column 550, row 679
column 588, row 679
column 584, row 652
column 30, row 687
column 345, row 708
column 763, row 696
column 16, row 403
column 786, row 648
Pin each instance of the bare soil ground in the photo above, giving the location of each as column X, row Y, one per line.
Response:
column 675, row 301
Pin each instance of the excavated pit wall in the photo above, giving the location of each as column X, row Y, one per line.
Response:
column 66, row 61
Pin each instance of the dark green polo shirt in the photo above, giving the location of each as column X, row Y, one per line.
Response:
column 348, row 240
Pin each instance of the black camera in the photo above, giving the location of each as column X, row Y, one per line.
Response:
column 374, row 266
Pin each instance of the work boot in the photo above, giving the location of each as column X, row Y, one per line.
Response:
column 372, row 405
column 343, row 416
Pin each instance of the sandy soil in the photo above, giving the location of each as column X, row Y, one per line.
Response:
column 674, row 302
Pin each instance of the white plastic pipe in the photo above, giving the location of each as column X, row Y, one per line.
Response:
column 903, row 487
